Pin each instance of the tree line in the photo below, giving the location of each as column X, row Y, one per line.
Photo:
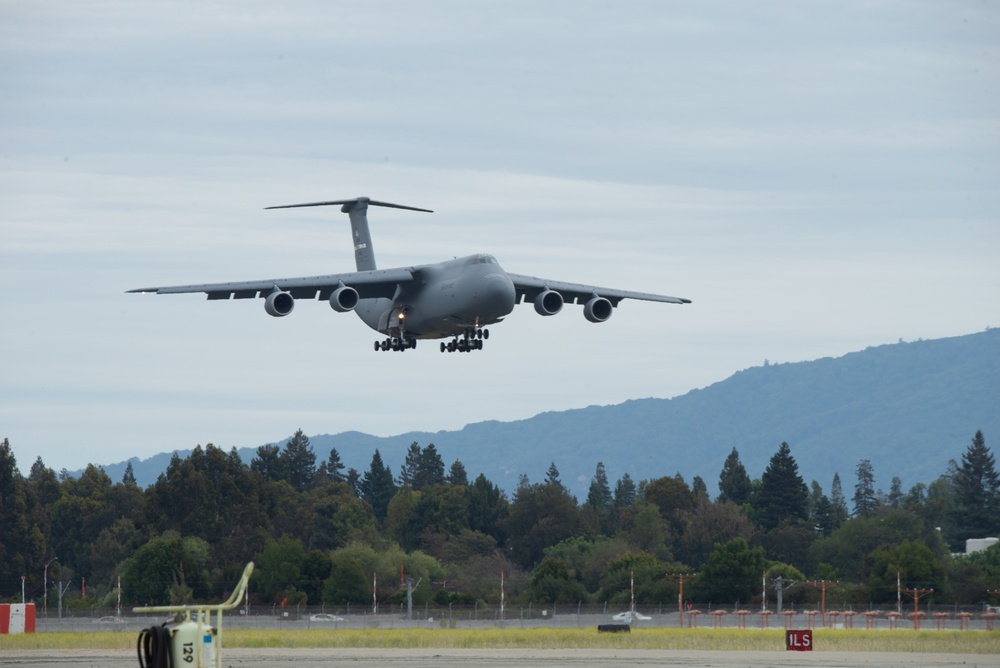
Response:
column 321, row 532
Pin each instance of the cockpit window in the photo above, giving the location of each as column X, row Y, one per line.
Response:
column 482, row 259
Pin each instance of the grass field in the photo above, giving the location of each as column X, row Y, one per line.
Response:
column 947, row 642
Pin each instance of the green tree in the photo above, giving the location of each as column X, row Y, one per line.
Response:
column 213, row 495
column 732, row 573
column 864, row 491
column 347, row 583
column 299, row 461
column 674, row 499
column 278, row 571
column 165, row 567
column 488, row 509
column 315, row 570
column 377, row 487
column 269, row 463
column 411, row 465
column 734, row 483
column 552, row 475
column 917, row 565
column 895, row 497
column 707, row 524
column 783, row 494
column 431, row 469
column 645, row 530
column 335, row 467
column 129, row 476
column 457, row 475
column 624, row 492
column 850, row 546
column 540, row 516
column 14, row 529
column 599, row 498
column 820, row 510
column 551, row 581
column 838, row 503
column 976, row 509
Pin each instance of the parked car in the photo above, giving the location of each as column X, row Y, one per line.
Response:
column 324, row 617
column 628, row 617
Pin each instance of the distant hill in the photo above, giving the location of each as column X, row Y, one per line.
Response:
column 908, row 407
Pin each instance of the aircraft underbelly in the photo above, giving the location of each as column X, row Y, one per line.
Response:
column 446, row 308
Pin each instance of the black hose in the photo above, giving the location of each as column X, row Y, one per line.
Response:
column 154, row 645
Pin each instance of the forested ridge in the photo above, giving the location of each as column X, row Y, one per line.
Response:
column 904, row 406
column 320, row 531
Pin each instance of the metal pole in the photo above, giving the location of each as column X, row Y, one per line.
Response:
column 45, row 590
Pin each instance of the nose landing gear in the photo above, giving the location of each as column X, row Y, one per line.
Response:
column 471, row 340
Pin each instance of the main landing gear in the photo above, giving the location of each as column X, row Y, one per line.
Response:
column 472, row 340
column 396, row 344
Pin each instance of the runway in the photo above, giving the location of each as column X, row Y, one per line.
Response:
column 504, row 658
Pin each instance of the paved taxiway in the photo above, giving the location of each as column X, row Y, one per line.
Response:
column 506, row 658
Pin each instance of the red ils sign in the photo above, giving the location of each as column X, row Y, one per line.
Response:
column 800, row 641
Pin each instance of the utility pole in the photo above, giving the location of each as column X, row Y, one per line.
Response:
column 45, row 587
column 680, row 577
column 780, row 585
column 823, row 585
column 62, row 588
column 410, row 586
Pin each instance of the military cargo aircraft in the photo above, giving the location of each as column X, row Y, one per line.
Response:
column 454, row 299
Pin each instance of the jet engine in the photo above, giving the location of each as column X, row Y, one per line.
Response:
column 279, row 304
column 343, row 299
column 598, row 309
column 548, row 302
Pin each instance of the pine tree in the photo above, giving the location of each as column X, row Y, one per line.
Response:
column 354, row 480
column 895, row 497
column 734, row 483
column 411, row 465
column 269, row 463
column 300, row 461
column 552, row 475
column 335, row 467
column 838, row 502
column 129, row 477
column 624, row 492
column 699, row 488
column 976, row 488
column 864, row 490
column 599, row 496
column 430, row 469
column 457, row 474
column 783, row 494
column 377, row 487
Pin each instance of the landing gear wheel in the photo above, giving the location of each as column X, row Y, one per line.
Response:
column 377, row 346
column 443, row 346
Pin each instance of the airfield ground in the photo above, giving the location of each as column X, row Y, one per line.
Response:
column 512, row 658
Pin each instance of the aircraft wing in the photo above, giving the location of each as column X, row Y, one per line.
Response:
column 529, row 287
column 375, row 283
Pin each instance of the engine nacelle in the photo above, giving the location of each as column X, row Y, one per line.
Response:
column 548, row 302
column 279, row 304
column 344, row 299
column 598, row 309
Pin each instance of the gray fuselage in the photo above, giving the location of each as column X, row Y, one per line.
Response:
column 447, row 299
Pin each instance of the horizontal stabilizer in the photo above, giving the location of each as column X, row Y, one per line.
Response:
column 348, row 203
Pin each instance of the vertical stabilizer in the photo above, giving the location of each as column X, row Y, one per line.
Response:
column 357, row 210
column 364, row 254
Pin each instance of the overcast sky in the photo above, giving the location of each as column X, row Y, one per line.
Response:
column 817, row 177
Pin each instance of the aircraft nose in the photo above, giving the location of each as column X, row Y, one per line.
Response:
column 497, row 296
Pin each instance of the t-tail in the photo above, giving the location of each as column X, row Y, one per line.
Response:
column 357, row 210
